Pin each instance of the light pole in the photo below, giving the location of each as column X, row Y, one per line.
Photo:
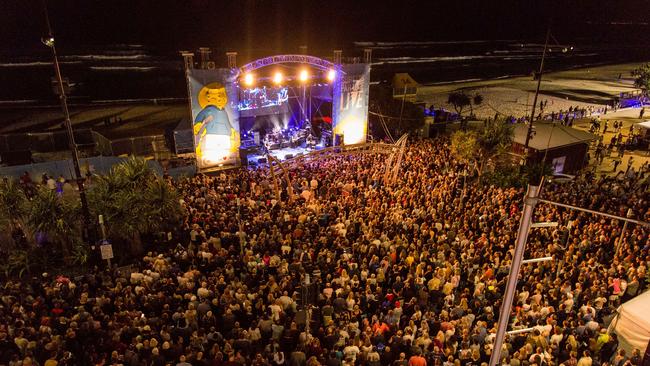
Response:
column 539, row 83
column 511, row 286
column 530, row 201
column 68, row 125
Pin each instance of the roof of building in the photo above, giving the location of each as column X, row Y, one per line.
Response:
column 551, row 136
column 404, row 80
column 644, row 124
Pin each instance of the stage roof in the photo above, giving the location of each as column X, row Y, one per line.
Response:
column 559, row 135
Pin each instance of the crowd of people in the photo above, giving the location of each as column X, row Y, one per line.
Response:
column 351, row 270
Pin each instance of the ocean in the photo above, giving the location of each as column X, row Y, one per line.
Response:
column 137, row 72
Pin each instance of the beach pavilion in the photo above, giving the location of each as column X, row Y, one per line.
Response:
column 564, row 148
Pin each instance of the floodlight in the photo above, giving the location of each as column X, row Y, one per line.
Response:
column 304, row 75
column 277, row 78
column 248, row 79
column 331, row 75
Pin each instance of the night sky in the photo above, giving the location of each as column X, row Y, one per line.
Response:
column 278, row 26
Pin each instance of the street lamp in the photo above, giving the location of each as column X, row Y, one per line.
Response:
column 49, row 42
column 539, row 83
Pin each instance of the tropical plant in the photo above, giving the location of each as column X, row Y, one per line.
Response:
column 478, row 148
column 163, row 202
column 80, row 254
column 506, row 176
column 57, row 218
column 133, row 202
column 17, row 263
column 642, row 77
column 464, row 146
column 13, row 207
column 534, row 172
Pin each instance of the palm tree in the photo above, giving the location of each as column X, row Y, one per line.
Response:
column 133, row 202
column 163, row 201
column 13, row 207
column 57, row 218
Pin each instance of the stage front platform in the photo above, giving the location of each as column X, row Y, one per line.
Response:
column 281, row 154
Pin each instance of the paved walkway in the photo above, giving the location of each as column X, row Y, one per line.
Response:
column 629, row 117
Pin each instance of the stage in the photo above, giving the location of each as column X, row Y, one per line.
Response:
column 241, row 114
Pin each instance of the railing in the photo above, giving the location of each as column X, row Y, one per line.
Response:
column 401, row 92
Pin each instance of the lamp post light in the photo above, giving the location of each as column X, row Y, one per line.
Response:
column 49, row 42
column 539, row 83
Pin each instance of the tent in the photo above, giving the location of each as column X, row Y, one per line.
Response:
column 645, row 125
column 632, row 324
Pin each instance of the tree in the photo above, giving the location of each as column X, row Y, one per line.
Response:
column 13, row 209
column 56, row 219
column 464, row 146
column 134, row 201
column 459, row 100
column 642, row 77
column 481, row 147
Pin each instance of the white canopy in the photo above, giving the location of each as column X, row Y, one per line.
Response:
column 644, row 124
column 632, row 324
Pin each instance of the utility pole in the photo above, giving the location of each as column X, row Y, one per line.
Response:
column 539, row 83
column 511, row 286
column 68, row 125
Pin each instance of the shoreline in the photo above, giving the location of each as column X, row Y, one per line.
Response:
column 512, row 96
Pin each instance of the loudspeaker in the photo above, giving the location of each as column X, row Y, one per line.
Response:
column 243, row 157
column 338, row 139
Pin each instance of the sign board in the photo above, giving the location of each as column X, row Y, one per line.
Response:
column 350, row 103
column 107, row 251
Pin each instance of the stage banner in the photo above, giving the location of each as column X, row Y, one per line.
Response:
column 350, row 105
column 215, row 117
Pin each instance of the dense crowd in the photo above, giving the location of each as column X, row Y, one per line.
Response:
column 352, row 271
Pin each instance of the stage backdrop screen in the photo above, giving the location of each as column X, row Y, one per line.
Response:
column 215, row 117
column 351, row 103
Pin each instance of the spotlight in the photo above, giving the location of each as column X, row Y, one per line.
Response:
column 331, row 75
column 304, row 75
column 49, row 41
column 248, row 79
column 277, row 78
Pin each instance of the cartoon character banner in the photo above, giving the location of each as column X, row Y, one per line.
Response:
column 215, row 117
column 351, row 103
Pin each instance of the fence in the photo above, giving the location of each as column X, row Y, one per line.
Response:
column 44, row 142
column 97, row 165
column 183, row 141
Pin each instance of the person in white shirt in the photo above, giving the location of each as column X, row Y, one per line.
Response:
column 351, row 351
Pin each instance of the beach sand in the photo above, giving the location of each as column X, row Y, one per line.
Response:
column 595, row 86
